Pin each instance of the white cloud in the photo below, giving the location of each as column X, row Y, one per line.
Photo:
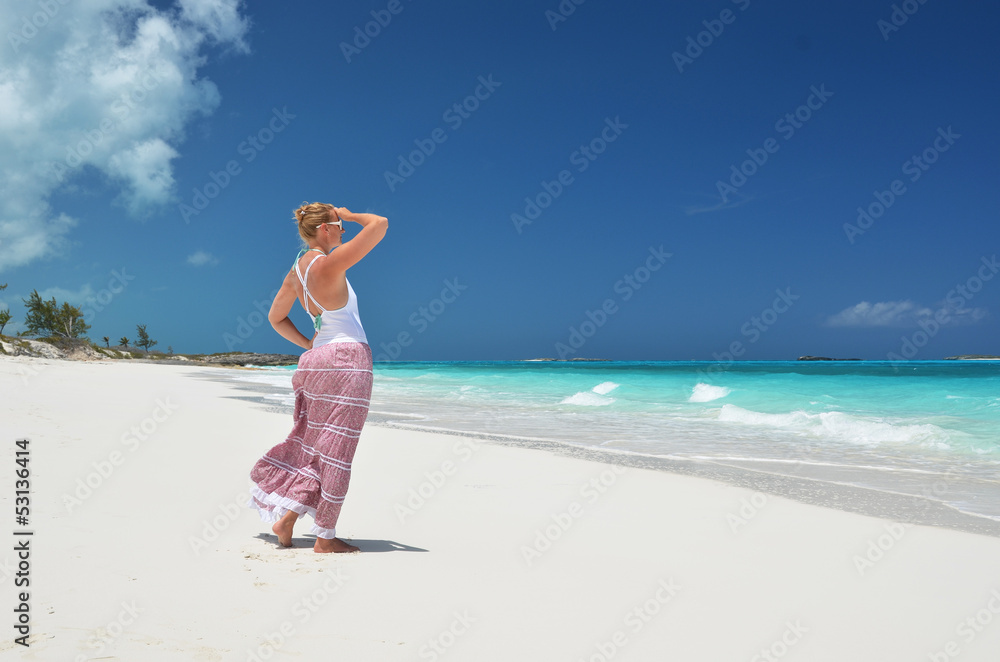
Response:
column 33, row 236
column 201, row 258
column 903, row 314
column 220, row 19
column 98, row 84
column 722, row 205
column 77, row 298
column 888, row 313
column 145, row 168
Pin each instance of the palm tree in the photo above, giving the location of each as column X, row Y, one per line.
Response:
column 123, row 342
column 107, row 341
column 5, row 315
column 144, row 340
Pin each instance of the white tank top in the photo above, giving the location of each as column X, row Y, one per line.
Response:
column 340, row 325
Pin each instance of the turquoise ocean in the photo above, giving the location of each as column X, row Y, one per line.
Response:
column 927, row 428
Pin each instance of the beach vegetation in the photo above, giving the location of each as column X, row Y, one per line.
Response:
column 123, row 341
column 103, row 351
column 5, row 317
column 48, row 318
column 144, row 340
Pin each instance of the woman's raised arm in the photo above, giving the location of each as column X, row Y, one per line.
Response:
column 373, row 228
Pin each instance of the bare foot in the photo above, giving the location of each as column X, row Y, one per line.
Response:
column 283, row 528
column 334, row 545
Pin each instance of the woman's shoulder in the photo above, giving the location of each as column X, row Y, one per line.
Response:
column 327, row 266
column 291, row 278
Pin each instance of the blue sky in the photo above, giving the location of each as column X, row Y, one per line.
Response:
column 616, row 132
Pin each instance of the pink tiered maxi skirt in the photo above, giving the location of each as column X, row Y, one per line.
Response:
column 310, row 471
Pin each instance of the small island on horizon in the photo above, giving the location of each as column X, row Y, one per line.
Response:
column 962, row 357
column 822, row 358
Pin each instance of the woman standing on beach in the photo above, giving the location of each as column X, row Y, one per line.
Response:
column 310, row 471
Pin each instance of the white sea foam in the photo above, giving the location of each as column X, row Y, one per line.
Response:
column 707, row 393
column 840, row 426
column 587, row 399
column 595, row 397
column 605, row 387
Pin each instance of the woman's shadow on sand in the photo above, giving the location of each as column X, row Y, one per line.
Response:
column 366, row 546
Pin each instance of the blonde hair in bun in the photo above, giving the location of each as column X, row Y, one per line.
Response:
column 310, row 216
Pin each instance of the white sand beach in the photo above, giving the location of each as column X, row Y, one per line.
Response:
column 143, row 548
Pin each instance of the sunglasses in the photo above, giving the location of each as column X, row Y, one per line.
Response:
column 339, row 223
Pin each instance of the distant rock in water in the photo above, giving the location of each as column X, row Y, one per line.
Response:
column 973, row 357
column 823, row 358
column 576, row 359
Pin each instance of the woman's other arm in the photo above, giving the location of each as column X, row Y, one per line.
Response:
column 278, row 315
